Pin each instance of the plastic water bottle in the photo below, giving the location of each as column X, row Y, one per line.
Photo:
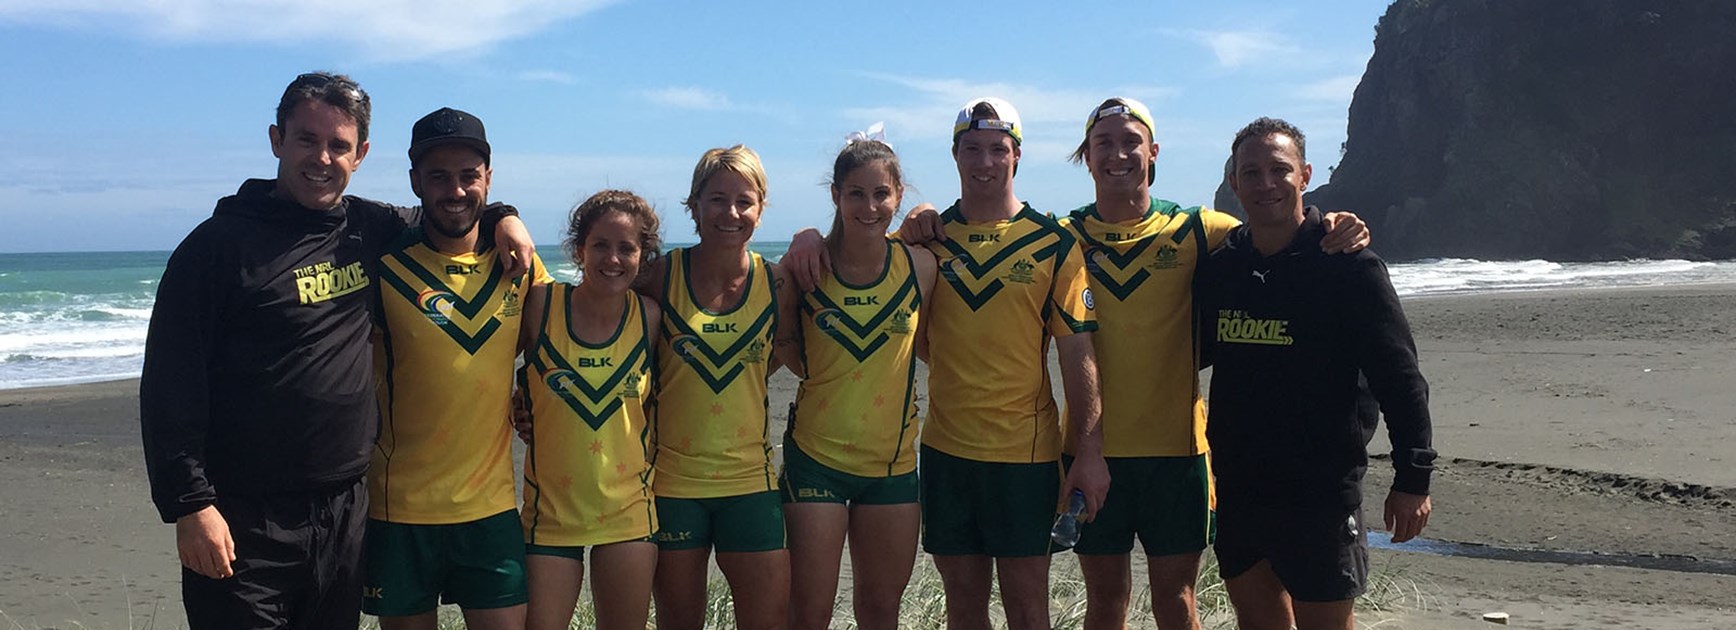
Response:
column 1066, row 530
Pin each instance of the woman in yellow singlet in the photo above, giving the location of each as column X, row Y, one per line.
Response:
column 850, row 451
column 587, row 383
column 715, row 485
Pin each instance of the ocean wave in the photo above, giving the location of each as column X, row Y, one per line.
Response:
column 13, row 299
column 50, row 380
column 1464, row 275
column 55, row 341
column 74, row 354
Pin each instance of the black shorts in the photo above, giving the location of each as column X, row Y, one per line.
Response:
column 298, row 563
column 1319, row 555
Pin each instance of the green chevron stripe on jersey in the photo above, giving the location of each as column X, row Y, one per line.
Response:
column 706, row 361
column 853, row 335
column 470, row 342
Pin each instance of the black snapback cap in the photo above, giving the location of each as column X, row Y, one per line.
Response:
column 447, row 126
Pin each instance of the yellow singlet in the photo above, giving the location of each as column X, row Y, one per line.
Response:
column 587, row 471
column 1008, row 286
column 710, row 418
column 1142, row 276
column 856, row 411
column 444, row 346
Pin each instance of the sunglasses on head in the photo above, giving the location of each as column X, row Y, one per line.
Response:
column 323, row 79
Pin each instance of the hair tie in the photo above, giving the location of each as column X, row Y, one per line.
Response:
column 875, row 132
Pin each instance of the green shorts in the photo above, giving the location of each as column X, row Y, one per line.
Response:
column 413, row 568
column 744, row 523
column 1164, row 501
column 805, row 480
column 986, row 508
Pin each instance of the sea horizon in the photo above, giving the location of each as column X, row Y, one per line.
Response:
column 82, row 316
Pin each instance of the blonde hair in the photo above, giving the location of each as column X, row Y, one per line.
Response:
column 737, row 159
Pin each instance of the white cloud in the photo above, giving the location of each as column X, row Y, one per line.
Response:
column 387, row 30
column 687, row 98
column 1337, row 89
column 546, row 76
column 1234, row 48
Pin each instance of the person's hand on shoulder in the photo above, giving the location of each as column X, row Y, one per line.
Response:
column 1406, row 514
column 806, row 260
column 1345, row 233
column 205, row 546
column 513, row 245
column 922, row 225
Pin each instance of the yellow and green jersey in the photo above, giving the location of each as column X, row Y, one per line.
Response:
column 711, row 421
column 1007, row 286
column 444, row 344
column 1142, row 276
column 587, row 470
column 856, row 410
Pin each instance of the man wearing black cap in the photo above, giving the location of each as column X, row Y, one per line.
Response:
column 257, row 402
column 442, row 519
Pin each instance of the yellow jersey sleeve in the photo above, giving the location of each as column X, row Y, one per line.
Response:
column 539, row 271
column 1217, row 226
column 1071, row 306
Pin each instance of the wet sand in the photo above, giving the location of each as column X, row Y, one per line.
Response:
column 1590, row 421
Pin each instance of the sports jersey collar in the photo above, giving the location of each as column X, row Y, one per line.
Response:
column 885, row 268
column 746, row 290
column 482, row 247
column 1157, row 206
column 566, row 299
column 954, row 215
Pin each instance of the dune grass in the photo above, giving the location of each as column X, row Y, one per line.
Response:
column 1392, row 589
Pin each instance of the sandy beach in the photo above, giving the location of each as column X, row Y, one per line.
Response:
column 1568, row 421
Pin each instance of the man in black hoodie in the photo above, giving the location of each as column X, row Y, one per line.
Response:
column 1308, row 349
column 257, row 398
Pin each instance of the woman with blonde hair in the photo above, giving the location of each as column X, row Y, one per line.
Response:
column 715, row 485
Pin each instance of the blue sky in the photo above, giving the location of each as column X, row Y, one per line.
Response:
column 123, row 122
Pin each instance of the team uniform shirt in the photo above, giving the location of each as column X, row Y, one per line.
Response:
column 711, row 421
column 446, row 339
column 856, row 410
column 587, row 470
column 1142, row 278
column 1308, row 350
column 1008, row 286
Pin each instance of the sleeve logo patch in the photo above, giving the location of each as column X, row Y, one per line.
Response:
column 1090, row 302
